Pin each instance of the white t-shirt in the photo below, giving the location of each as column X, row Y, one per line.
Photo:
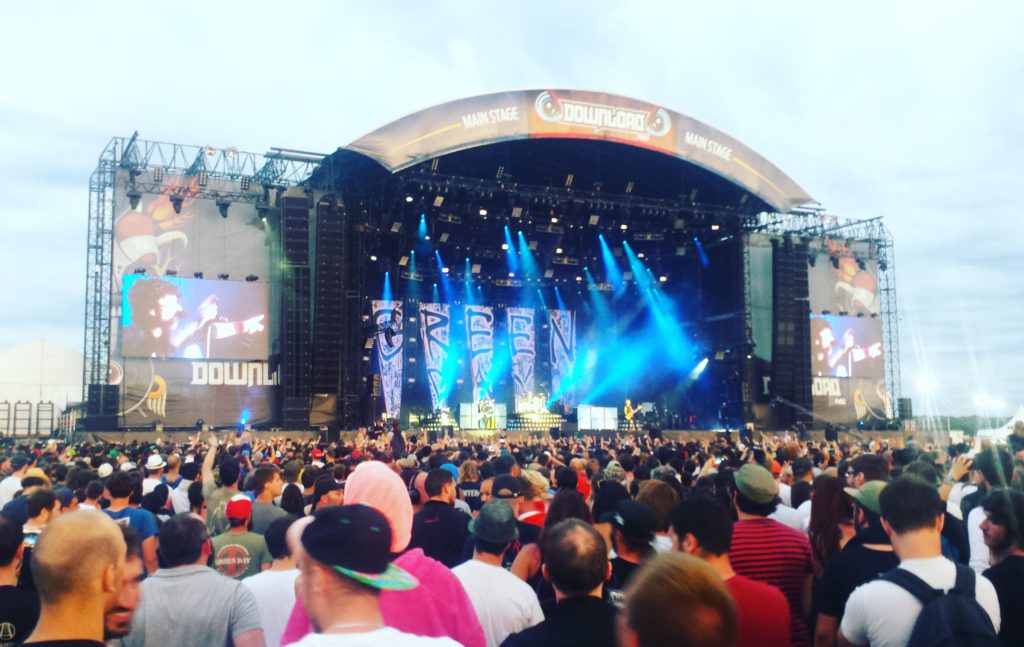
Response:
column 179, row 497
column 504, row 603
column 785, row 493
column 149, row 484
column 956, row 495
column 8, row 488
column 976, row 539
column 275, row 596
column 883, row 614
column 386, row 636
column 805, row 514
column 788, row 516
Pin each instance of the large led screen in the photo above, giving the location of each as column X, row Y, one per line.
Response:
column 165, row 316
column 844, row 278
column 847, row 367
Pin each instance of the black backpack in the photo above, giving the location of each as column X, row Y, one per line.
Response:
column 950, row 619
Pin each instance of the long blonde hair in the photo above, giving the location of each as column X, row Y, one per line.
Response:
column 468, row 472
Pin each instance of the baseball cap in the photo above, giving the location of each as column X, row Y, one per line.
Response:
column 105, row 470
column 633, row 519
column 239, row 507
column 506, row 487
column 323, row 485
column 496, row 523
column 129, row 466
column 802, row 466
column 868, row 495
column 19, row 462
column 756, row 483
column 451, row 469
column 355, row 540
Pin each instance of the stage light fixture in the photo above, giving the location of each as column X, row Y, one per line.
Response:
column 408, row 198
column 133, row 198
column 396, row 227
column 517, row 212
column 402, row 262
column 623, row 226
column 222, row 206
column 252, row 278
column 579, row 279
column 197, row 275
column 171, row 273
column 549, row 273
column 246, row 182
column 438, row 200
column 504, row 246
column 554, row 220
column 176, row 201
column 211, row 151
column 511, row 275
column 715, row 227
column 158, row 174
column 483, row 212
column 558, row 250
column 640, row 255
column 594, row 219
column 140, row 270
column 204, row 178
column 444, row 270
column 373, row 257
column 662, row 278
column 223, row 276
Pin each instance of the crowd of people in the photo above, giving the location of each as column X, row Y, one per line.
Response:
column 397, row 540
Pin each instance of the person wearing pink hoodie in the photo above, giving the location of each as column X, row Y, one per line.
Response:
column 439, row 606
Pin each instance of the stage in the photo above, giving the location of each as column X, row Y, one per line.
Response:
column 541, row 259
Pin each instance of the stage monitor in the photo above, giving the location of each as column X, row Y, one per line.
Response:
column 847, row 369
column 174, row 317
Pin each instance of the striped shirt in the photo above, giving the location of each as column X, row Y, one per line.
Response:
column 770, row 552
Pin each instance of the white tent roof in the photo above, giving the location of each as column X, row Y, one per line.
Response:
column 41, row 371
column 1006, row 429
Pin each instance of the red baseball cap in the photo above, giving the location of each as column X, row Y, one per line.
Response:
column 239, row 507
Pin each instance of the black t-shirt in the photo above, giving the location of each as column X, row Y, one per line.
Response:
column 441, row 531
column 852, row 566
column 622, row 571
column 19, row 612
column 1006, row 577
column 586, row 622
column 470, row 493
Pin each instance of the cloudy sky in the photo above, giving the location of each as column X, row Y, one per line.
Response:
column 913, row 112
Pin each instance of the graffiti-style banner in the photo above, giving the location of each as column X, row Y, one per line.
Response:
column 387, row 317
column 480, row 337
column 522, row 340
column 435, row 334
column 563, row 353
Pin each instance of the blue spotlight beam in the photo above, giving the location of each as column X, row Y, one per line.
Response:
column 611, row 268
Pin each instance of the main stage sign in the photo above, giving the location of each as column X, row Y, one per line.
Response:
column 576, row 114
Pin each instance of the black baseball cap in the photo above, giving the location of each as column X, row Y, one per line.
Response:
column 633, row 519
column 355, row 540
column 506, row 487
column 324, row 484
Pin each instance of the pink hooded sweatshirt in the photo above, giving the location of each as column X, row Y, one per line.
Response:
column 439, row 606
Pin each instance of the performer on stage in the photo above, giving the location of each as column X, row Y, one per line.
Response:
column 629, row 411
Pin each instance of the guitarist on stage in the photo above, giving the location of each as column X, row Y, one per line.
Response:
column 629, row 411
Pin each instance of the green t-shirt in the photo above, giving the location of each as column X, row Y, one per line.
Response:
column 216, row 504
column 241, row 555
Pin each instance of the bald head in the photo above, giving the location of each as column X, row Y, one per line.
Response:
column 79, row 554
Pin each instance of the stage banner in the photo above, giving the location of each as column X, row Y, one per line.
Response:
column 480, row 337
column 387, row 317
column 563, row 354
column 435, row 335
column 522, row 341
column 577, row 114
column 179, row 392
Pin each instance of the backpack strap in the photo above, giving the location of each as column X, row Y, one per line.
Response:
column 965, row 580
column 913, row 584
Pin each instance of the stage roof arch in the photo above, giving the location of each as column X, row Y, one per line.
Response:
column 575, row 114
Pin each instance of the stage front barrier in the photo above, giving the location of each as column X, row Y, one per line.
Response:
column 593, row 418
